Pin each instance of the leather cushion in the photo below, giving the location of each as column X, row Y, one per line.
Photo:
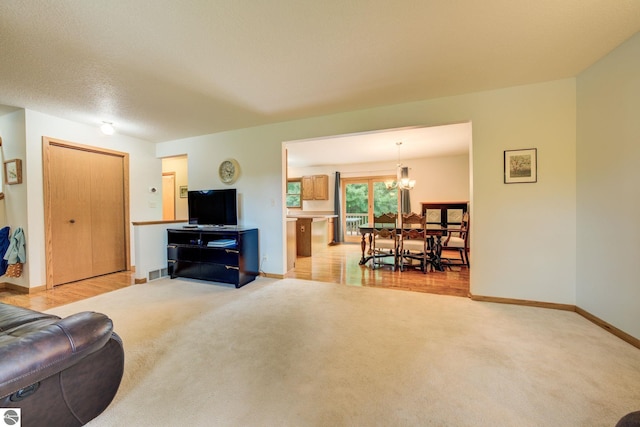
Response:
column 11, row 316
column 31, row 352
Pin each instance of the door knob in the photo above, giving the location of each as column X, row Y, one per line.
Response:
column 72, row 221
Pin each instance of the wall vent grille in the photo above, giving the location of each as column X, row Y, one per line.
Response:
column 153, row 275
column 157, row 274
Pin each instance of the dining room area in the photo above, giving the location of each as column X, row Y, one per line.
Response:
column 418, row 171
column 424, row 251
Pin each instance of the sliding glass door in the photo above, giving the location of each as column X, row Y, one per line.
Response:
column 362, row 199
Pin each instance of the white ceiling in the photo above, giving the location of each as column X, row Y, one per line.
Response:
column 415, row 143
column 168, row 69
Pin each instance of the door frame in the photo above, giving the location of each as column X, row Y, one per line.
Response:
column 47, row 142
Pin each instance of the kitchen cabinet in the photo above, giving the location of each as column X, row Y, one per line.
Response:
column 313, row 233
column 292, row 248
column 315, row 187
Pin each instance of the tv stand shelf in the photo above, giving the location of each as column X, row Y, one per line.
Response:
column 219, row 254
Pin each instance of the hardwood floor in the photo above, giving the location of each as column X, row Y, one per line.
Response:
column 340, row 264
column 68, row 293
column 336, row 264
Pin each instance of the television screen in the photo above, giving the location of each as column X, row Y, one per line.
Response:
column 213, row 207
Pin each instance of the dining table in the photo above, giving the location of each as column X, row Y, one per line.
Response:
column 435, row 230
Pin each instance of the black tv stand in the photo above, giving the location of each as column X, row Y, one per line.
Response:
column 218, row 254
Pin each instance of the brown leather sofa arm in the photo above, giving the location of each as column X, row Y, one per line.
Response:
column 34, row 351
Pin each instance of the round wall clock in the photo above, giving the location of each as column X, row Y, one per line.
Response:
column 229, row 171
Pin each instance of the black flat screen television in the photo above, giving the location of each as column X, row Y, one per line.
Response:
column 213, row 207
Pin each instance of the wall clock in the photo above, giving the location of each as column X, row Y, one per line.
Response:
column 229, row 171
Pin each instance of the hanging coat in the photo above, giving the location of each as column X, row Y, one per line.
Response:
column 16, row 254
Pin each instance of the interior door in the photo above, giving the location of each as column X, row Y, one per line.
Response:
column 169, row 196
column 362, row 198
column 107, row 214
column 86, row 211
column 70, row 192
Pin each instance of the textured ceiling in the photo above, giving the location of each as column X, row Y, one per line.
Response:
column 162, row 70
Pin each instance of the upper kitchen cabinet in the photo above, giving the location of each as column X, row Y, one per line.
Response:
column 315, row 187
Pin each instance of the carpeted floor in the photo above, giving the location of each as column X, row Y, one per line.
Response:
column 301, row 353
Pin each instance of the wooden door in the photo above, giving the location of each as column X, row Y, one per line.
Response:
column 70, row 193
column 169, row 196
column 86, row 211
column 107, row 214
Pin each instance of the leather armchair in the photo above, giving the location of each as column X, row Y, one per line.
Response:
column 59, row 372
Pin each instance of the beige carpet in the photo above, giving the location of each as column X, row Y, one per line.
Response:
column 300, row 353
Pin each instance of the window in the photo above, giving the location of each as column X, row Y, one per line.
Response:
column 294, row 193
column 366, row 197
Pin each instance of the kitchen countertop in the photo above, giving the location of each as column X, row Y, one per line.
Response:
column 314, row 215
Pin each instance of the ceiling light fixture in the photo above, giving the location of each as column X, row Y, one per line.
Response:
column 405, row 182
column 107, row 128
column 402, row 179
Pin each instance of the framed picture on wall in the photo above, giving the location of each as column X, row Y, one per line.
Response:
column 13, row 171
column 183, row 191
column 521, row 166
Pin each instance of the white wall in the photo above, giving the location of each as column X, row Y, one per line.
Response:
column 608, row 244
column 260, row 184
column 145, row 171
column 151, row 247
column 524, row 238
column 437, row 179
column 12, row 130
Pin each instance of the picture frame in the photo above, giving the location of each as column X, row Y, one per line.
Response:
column 521, row 166
column 184, row 191
column 13, row 171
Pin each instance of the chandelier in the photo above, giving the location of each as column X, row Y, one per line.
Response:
column 405, row 183
column 402, row 181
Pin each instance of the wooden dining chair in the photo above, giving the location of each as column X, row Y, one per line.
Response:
column 415, row 243
column 457, row 240
column 384, row 241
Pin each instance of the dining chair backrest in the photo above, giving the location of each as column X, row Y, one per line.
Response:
column 458, row 240
column 384, row 225
column 384, row 239
column 413, row 222
column 385, row 220
column 413, row 227
column 461, row 233
column 414, row 241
